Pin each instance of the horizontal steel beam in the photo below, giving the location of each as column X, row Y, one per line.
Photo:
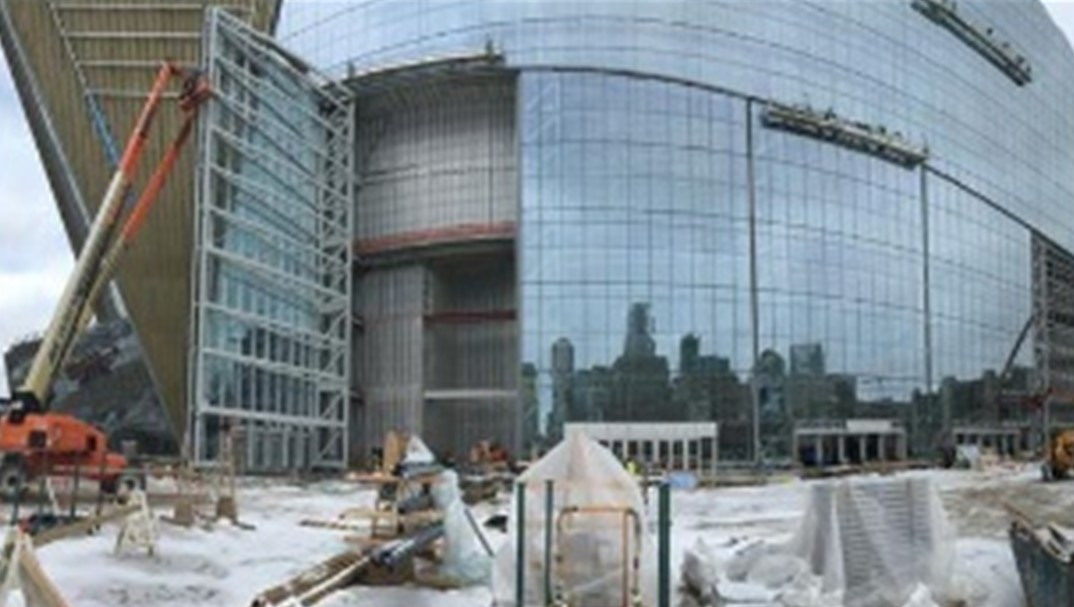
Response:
column 111, row 7
column 114, row 35
column 471, row 316
column 471, row 394
column 436, row 236
column 277, row 418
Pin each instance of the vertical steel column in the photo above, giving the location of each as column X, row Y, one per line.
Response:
column 520, row 544
column 663, row 597
column 74, row 490
column 549, row 505
column 926, row 303
column 751, row 189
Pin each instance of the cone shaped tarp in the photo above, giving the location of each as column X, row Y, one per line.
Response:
column 595, row 502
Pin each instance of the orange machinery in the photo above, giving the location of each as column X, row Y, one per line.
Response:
column 32, row 439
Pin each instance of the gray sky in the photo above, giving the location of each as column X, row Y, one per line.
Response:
column 35, row 259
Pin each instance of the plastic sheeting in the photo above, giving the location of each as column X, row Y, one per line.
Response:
column 417, row 452
column 877, row 540
column 596, row 549
column 465, row 561
column 861, row 543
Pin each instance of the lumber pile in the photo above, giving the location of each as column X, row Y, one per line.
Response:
column 20, row 571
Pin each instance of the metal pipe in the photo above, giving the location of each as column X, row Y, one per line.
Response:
column 663, row 598
column 477, row 531
column 549, row 505
column 520, row 545
column 394, row 553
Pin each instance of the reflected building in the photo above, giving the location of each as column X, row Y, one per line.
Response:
column 640, row 389
column 807, row 360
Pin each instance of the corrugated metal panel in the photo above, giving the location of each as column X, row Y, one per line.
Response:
column 59, row 38
column 391, row 303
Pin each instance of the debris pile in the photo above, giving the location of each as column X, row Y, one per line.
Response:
column 418, row 531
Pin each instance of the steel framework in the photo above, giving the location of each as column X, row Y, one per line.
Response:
column 1053, row 317
column 272, row 261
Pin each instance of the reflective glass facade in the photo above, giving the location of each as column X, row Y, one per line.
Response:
column 680, row 259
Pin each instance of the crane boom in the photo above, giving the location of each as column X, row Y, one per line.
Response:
column 97, row 261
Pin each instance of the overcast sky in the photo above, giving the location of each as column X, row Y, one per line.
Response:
column 34, row 256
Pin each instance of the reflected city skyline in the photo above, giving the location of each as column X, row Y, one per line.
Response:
column 640, row 384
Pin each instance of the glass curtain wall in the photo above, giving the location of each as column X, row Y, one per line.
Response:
column 272, row 258
column 872, row 287
column 980, row 294
column 636, row 272
column 839, row 281
column 635, row 251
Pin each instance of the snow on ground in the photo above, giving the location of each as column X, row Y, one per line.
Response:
column 227, row 567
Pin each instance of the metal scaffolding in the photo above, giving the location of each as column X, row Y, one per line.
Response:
column 1053, row 317
column 272, row 314
column 1053, row 333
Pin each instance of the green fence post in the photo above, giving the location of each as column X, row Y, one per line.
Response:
column 664, row 546
column 520, row 548
column 549, row 504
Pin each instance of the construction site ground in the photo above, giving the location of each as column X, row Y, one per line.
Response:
column 228, row 566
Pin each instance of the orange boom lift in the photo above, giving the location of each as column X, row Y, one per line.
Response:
column 34, row 441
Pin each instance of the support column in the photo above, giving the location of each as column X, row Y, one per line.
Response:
column 863, row 455
column 685, row 454
column 715, row 452
column 818, row 450
column 841, row 441
column 881, row 447
column 901, row 446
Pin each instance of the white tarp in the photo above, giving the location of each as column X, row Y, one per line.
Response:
column 417, row 452
column 861, row 543
column 596, row 568
column 465, row 561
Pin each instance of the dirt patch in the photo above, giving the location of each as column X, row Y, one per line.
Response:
column 981, row 510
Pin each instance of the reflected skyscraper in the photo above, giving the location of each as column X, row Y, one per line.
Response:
column 562, row 387
column 807, row 359
column 641, row 390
